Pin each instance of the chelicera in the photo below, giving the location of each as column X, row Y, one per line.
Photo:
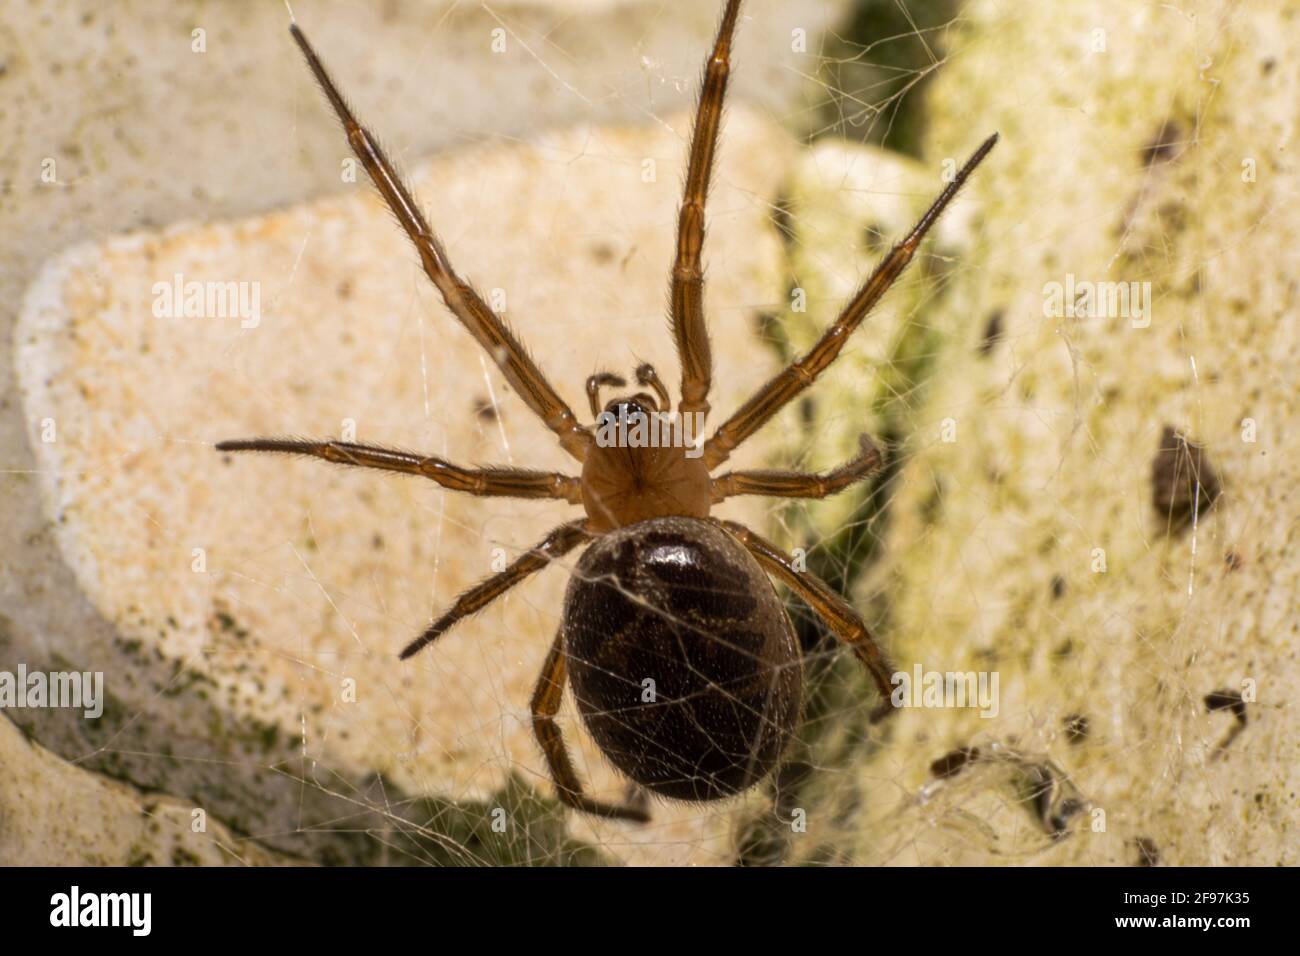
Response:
column 681, row 657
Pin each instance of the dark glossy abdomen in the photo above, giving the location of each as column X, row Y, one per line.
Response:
column 679, row 602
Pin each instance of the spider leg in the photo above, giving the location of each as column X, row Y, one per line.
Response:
column 769, row 399
column 687, row 293
column 796, row 484
column 845, row 623
column 558, row 543
column 486, row 482
column 545, row 705
column 487, row 328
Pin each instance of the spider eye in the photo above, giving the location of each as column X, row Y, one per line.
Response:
column 625, row 410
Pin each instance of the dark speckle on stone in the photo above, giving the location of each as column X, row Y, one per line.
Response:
column 1077, row 728
column 1164, row 146
column 1148, row 852
column 992, row 333
column 874, row 237
column 1184, row 484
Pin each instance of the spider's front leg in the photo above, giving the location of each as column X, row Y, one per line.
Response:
column 687, row 287
column 759, row 408
column 489, row 330
column 845, row 623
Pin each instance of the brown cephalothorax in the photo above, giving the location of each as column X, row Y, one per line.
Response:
column 623, row 483
column 682, row 660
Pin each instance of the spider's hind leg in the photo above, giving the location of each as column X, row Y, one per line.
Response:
column 545, row 705
column 558, row 543
column 845, row 623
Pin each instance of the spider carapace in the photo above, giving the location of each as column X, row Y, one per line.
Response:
column 681, row 657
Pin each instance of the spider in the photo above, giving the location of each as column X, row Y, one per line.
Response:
column 682, row 659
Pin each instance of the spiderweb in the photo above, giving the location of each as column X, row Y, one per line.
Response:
column 263, row 688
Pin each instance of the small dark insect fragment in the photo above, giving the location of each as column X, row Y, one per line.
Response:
column 1184, row 483
column 1227, row 700
column 951, row 763
column 1051, row 797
